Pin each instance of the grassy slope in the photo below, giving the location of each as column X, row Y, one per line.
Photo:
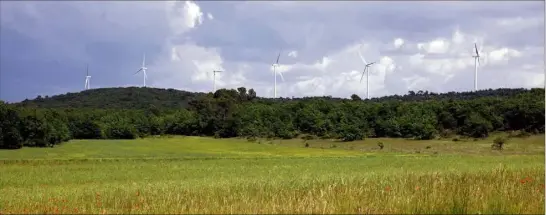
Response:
column 351, row 178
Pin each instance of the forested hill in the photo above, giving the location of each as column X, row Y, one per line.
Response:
column 117, row 98
column 144, row 98
column 128, row 113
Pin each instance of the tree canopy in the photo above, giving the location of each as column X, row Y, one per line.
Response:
column 127, row 113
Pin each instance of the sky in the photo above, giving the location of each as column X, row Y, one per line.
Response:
column 417, row 45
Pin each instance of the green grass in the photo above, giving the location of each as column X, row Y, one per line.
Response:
column 203, row 175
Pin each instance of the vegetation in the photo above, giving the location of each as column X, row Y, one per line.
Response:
column 421, row 153
column 219, row 176
column 128, row 113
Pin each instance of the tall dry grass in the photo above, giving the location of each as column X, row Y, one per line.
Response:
column 201, row 175
column 498, row 191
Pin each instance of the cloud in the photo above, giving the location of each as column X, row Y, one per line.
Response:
column 417, row 45
column 398, row 42
column 293, row 54
column 183, row 16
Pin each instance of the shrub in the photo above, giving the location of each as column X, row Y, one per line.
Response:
column 381, row 145
column 498, row 143
column 351, row 133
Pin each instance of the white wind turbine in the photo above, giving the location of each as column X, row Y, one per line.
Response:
column 476, row 62
column 87, row 79
column 143, row 69
column 367, row 71
column 275, row 65
column 214, row 80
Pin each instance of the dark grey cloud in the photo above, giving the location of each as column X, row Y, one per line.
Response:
column 44, row 46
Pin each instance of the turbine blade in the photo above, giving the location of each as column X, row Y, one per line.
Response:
column 278, row 56
column 361, row 57
column 138, row 71
column 144, row 60
column 361, row 77
column 370, row 64
column 476, row 48
column 280, row 74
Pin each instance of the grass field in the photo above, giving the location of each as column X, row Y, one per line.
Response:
column 203, row 175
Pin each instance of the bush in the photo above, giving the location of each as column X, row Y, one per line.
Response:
column 498, row 143
column 476, row 126
column 381, row 145
column 351, row 133
column 86, row 129
column 120, row 131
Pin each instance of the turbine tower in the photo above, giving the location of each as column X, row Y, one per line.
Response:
column 214, row 80
column 367, row 71
column 143, row 69
column 476, row 62
column 275, row 65
column 87, row 79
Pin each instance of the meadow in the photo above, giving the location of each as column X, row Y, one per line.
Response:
column 204, row 175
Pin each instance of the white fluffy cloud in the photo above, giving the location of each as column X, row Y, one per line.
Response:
column 293, row 54
column 187, row 40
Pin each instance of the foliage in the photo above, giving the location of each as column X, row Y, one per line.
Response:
column 380, row 145
column 498, row 143
column 140, row 112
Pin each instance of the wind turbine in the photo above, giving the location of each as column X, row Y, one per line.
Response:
column 214, row 80
column 275, row 65
column 143, row 69
column 87, row 79
column 367, row 71
column 476, row 62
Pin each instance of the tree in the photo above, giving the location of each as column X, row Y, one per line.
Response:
column 10, row 138
column 137, row 112
column 355, row 97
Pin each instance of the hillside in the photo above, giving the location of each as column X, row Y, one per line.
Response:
column 143, row 98
column 128, row 113
column 117, row 98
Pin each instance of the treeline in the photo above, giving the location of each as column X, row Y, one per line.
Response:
column 143, row 98
column 238, row 113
